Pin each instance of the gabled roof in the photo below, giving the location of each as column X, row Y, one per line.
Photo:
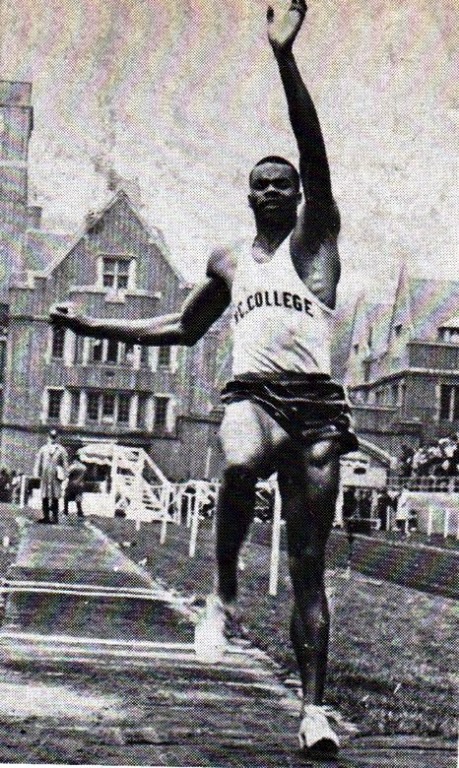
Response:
column 371, row 325
column 155, row 235
column 433, row 303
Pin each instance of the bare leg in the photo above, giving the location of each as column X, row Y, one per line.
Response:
column 248, row 437
column 309, row 486
column 234, row 514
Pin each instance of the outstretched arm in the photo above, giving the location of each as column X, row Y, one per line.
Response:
column 202, row 307
column 320, row 215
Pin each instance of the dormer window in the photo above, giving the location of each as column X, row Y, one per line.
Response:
column 115, row 273
column 398, row 329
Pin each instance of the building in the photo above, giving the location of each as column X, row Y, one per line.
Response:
column 117, row 266
column 402, row 372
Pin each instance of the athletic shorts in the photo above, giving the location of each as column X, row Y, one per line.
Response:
column 309, row 407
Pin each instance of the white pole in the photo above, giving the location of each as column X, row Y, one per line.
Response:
column 191, row 504
column 114, row 479
column 22, row 493
column 195, row 520
column 214, row 516
column 138, row 492
column 275, row 544
column 165, row 494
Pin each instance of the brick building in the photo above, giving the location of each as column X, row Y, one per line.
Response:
column 117, row 266
column 403, row 365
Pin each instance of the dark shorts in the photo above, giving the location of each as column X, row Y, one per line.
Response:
column 310, row 407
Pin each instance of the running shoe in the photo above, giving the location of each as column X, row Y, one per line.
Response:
column 316, row 737
column 209, row 634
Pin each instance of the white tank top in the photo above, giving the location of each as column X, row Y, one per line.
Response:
column 279, row 325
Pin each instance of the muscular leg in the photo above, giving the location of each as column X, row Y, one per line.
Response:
column 308, row 483
column 248, row 437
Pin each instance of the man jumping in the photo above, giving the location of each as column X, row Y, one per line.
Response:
column 282, row 411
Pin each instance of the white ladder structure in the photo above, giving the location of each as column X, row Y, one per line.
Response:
column 138, row 488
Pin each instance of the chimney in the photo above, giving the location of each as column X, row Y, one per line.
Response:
column 16, row 123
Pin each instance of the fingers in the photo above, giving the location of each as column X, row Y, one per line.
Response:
column 296, row 5
column 60, row 312
column 300, row 6
column 61, row 309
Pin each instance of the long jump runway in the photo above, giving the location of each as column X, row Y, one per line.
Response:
column 98, row 666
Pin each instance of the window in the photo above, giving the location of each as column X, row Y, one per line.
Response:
column 57, row 349
column 144, row 355
column 112, row 351
column 105, row 351
column 93, row 407
column 161, row 404
column 96, row 350
column 449, row 402
column 54, row 403
column 108, row 407
column 398, row 329
column 115, row 273
column 356, row 349
column 164, row 357
column 124, row 402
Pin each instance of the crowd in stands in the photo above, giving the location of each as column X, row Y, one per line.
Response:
column 439, row 458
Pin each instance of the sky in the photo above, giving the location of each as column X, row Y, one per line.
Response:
column 175, row 100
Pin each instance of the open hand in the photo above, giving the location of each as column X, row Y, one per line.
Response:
column 285, row 18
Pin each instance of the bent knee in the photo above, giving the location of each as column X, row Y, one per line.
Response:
column 323, row 453
column 240, row 472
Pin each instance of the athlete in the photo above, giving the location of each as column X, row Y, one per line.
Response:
column 283, row 413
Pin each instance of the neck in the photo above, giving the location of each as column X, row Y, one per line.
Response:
column 270, row 235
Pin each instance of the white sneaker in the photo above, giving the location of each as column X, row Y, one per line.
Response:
column 209, row 633
column 315, row 734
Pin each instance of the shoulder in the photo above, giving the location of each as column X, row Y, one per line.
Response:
column 223, row 261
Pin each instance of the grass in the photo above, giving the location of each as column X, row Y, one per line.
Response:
column 393, row 650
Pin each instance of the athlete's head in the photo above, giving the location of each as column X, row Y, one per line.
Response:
column 274, row 188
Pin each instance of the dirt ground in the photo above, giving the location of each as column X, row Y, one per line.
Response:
column 76, row 703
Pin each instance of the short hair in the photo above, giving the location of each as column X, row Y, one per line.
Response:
column 280, row 161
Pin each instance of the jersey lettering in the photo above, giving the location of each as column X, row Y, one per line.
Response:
column 273, row 298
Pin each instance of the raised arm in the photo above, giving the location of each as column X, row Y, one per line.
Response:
column 203, row 306
column 320, row 216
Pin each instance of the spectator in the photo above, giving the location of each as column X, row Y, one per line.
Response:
column 51, row 468
column 75, row 485
column 383, row 505
column 406, row 461
column 5, row 485
column 349, row 503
